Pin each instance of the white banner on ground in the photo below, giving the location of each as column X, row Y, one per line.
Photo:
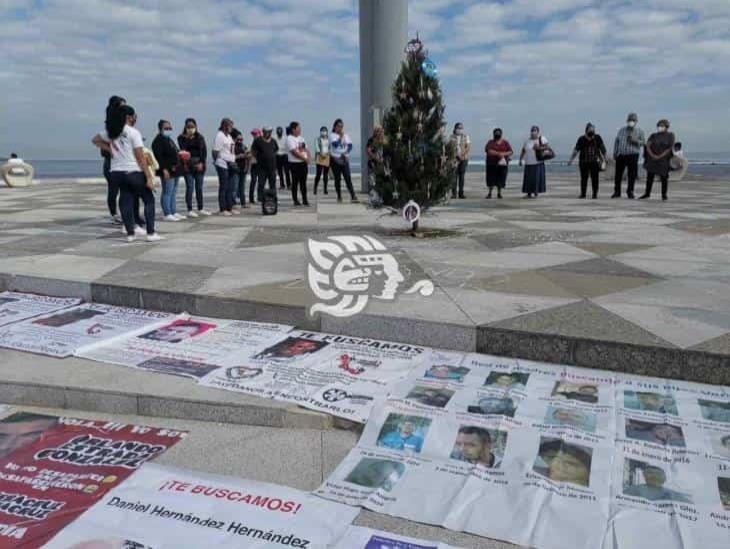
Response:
column 16, row 306
column 537, row 455
column 358, row 537
column 65, row 332
column 187, row 346
column 340, row 375
column 163, row 507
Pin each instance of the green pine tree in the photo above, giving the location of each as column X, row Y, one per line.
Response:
column 418, row 158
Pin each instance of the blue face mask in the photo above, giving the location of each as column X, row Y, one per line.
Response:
column 167, row 133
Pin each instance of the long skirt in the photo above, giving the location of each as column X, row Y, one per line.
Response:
column 533, row 181
column 497, row 176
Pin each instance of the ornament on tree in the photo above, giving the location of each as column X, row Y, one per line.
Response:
column 429, row 68
column 414, row 46
column 429, row 95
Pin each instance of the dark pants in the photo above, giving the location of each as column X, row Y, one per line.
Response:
column 459, row 180
column 323, row 172
column 299, row 172
column 194, row 183
column 496, row 176
column 253, row 184
column 628, row 162
column 112, row 192
column 282, row 167
column 340, row 170
column 227, row 182
column 589, row 170
column 650, row 183
column 133, row 187
column 265, row 175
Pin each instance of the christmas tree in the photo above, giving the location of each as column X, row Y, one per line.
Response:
column 418, row 160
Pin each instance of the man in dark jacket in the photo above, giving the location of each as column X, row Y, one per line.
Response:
column 168, row 157
column 265, row 148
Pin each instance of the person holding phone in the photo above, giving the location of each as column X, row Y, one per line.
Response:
column 299, row 159
column 340, row 149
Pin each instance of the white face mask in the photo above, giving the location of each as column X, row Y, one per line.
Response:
column 661, row 129
column 459, row 131
column 631, row 124
column 323, row 134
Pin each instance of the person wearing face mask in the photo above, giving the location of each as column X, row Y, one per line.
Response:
column 498, row 152
column 322, row 158
column 193, row 142
column 462, row 143
column 129, row 170
column 627, row 147
column 281, row 159
column 168, row 157
column 340, row 148
column 592, row 153
column 657, row 154
column 532, row 154
column 243, row 157
column 264, row 148
column 226, row 167
column 299, row 159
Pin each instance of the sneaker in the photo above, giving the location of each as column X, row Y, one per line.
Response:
column 615, row 195
column 204, row 212
column 131, row 238
column 226, row 214
column 236, row 212
column 139, row 231
column 192, row 214
column 170, row 218
column 180, row 217
column 154, row 237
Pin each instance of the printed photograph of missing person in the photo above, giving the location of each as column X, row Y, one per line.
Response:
column 243, row 372
column 580, row 419
column 497, row 406
column 178, row 331
column 376, row 473
column 430, row 396
column 379, row 542
column 644, row 480
column 447, row 373
column 6, row 300
column 69, row 317
column 650, row 402
column 479, row 446
column 582, row 392
column 563, row 461
column 657, row 433
column 292, row 347
column 22, row 428
column 721, row 444
column 404, row 433
column 713, row 410
column 723, row 485
column 178, row 367
column 507, row 380
column 109, row 544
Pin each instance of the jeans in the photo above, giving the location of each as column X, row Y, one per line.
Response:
column 322, row 172
column 112, row 192
column 587, row 170
column 168, row 200
column 340, row 169
column 628, row 162
column 283, row 169
column 227, row 182
column 133, row 187
column 459, row 179
column 650, row 183
column 299, row 172
column 194, row 182
column 265, row 176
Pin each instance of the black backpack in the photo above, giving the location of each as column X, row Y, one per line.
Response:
column 269, row 202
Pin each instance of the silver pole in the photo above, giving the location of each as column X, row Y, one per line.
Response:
column 383, row 36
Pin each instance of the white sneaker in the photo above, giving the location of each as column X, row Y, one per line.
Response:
column 180, row 217
column 139, row 231
column 204, row 212
column 170, row 218
column 131, row 238
column 191, row 213
column 154, row 237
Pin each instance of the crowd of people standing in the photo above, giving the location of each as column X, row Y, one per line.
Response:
column 131, row 169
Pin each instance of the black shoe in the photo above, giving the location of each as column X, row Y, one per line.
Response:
column 305, row 203
column 461, row 196
column 297, row 203
column 325, row 191
column 643, row 197
column 630, row 196
column 582, row 196
column 665, row 198
column 315, row 192
column 595, row 196
column 616, row 195
column 354, row 200
column 339, row 199
column 488, row 196
column 453, row 195
column 499, row 195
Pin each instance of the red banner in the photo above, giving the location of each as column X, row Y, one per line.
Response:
column 53, row 469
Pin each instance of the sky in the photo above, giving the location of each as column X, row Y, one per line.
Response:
column 508, row 63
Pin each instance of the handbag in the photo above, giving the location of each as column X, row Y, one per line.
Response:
column 603, row 166
column 233, row 167
column 544, row 154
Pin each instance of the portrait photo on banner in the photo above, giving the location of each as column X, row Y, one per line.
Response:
column 376, row 473
column 563, row 461
column 404, row 433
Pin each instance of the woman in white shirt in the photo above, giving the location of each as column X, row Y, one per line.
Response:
column 129, row 169
column 226, row 167
column 322, row 158
column 533, row 181
column 298, row 158
column 340, row 149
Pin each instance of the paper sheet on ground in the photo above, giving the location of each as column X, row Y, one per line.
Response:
column 187, row 346
column 65, row 332
column 16, row 306
column 358, row 537
column 164, row 507
column 541, row 456
column 340, row 375
column 53, row 469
